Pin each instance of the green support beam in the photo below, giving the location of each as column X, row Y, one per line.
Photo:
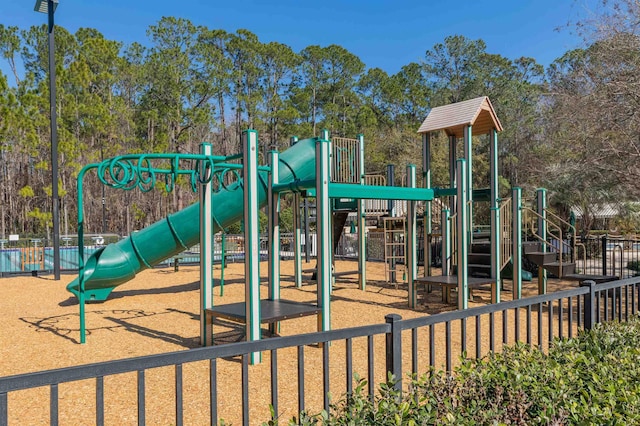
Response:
column 251, row 240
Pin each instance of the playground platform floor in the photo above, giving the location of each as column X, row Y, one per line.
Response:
column 158, row 312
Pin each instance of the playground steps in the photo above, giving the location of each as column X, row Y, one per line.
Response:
column 547, row 260
column 480, row 258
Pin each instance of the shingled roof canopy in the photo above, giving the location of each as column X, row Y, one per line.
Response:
column 453, row 118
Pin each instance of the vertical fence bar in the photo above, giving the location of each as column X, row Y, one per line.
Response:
column 580, row 311
column 53, row 405
column 505, row 327
column 349, row 372
column 100, row 401
column 141, row 398
column 589, row 308
column 245, row 388
column 492, row 332
column 570, row 317
column 528, row 324
column 4, row 410
column 370, row 364
column 300, row 379
column 179, row 395
column 540, row 326
column 274, row 383
column 325, row 375
column 394, row 349
column 603, row 247
column 414, row 351
column 478, row 338
column 550, row 323
column 516, row 314
column 213, row 390
column 447, row 328
column 463, row 335
column 560, row 319
column 432, row 345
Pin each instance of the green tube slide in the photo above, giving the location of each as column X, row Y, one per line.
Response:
column 118, row 263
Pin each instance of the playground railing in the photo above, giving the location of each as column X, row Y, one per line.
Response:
column 506, row 232
column 409, row 346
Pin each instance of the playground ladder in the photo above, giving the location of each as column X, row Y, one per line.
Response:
column 394, row 246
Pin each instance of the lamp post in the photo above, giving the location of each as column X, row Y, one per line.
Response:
column 49, row 7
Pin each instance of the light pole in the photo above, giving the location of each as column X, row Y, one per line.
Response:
column 49, row 7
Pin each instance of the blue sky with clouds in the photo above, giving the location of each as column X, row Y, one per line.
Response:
column 383, row 33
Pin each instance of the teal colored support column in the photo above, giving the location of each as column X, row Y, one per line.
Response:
column 325, row 135
column 426, row 224
column 362, row 232
column 453, row 155
column 446, row 242
column 516, row 216
column 462, row 234
column 468, row 156
column 206, row 249
column 323, row 226
column 251, row 239
column 223, row 260
column 297, row 233
column 411, row 253
column 274, row 235
column 541, row 194
column 496, row 258
column 496, row 239
column 274, row 229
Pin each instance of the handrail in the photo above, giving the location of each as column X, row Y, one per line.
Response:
column 561, row 242
column 506, row 227
column 613, row 259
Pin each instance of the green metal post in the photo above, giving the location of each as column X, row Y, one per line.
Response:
column 468, row 156
column 411, row 240
column 325, row 135
column 274, row 230
column 462, row 233
column 362, row 233
column 516, row 217
column 446, row 242
column 274, row 235
column 542, row 231
column 297, row 232
column 206, row 249
column 81, row 263
column 453, row 155
column 251, row 239
column 496, row 241
column 323, row 226
column 426, row 176
column 223, row 261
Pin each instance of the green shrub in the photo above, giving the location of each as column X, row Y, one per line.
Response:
column 591, row 379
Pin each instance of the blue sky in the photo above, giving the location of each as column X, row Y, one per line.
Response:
column 383, row 33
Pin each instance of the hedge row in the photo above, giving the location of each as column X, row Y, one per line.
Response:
column 591, row 379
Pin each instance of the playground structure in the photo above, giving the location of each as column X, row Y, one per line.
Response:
column 332, row 172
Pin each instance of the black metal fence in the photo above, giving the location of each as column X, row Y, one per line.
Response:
column 305, row 368
column 608, row 255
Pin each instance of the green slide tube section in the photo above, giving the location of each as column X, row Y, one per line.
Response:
column 118, row 263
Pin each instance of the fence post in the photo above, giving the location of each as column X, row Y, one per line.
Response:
column 589, row 304
column 394, row 349
column 603, row 246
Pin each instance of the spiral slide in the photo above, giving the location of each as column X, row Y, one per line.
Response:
column 118, row 263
